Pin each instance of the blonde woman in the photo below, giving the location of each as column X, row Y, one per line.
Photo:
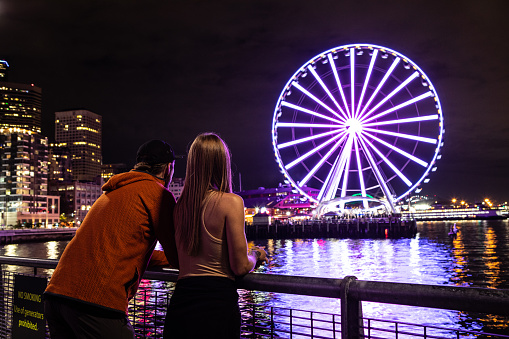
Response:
column 212, row 247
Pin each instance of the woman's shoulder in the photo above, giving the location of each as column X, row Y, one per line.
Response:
column 229, row 200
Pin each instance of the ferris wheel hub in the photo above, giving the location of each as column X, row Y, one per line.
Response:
column 353, row 126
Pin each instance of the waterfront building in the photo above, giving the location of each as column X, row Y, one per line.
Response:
column 109, row 170
column 81, row 132
column 20, row 104
column 24, row 198
column 282, row 203
column 77, row 198
column 176, row 186
column 59, row 164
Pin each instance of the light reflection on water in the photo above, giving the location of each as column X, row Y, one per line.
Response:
column 478, row 257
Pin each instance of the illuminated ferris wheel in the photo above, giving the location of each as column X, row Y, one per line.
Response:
column 358, row 120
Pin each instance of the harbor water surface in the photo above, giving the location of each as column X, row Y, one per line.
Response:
column 477, row 257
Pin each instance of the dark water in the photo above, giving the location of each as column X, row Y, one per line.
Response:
column 478, row 257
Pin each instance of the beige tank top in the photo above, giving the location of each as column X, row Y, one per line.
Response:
column 213, row 259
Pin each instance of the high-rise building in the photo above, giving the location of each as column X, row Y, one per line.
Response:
column 20, row 104
column 176, row 186
column 109, row 170
column 81, row 132
column 23, row 180
column 59, row 164
column 4, row 67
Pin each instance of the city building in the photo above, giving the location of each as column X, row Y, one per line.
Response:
column 76, row 199
column 81, row 132
column 176, row 186
column 59, row 164
column 20, row 104
column 282, row 203
column 24, row 199
column 109, row 170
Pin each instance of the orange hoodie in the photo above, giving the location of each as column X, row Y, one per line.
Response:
column 104, row 262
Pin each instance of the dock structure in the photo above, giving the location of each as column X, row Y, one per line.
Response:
column 36, row 235
column 334, row 228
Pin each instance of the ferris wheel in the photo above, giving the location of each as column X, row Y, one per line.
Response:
column 358, row 120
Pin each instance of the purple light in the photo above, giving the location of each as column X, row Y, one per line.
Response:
column 312, row 70
column 402, row 85
column 352, row 78
column 355, row 127
column 361, row 175
column 406, row 103
column 331, row 184
column 388, row 162
column 402, row 121
column 366, row 80
column 320, row 163
column 303, row 90
column 305, row 110
column 314, row 150
column 406, row 154
column 386, row 76
column 296, row 124
column 298, row 141
column 377, row 173
column 338, row 82
column 401, row 135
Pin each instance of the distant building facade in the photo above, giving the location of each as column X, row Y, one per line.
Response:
column 109, row 170
column 77, row 198
column 280, row 203
column 176, row 186
column 24, row 195
column 81, row 132
column 20, row 104
column 59, row 164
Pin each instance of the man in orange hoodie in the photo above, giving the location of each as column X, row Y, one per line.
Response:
column 101, row 267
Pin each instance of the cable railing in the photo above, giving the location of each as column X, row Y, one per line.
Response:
column 147, row 309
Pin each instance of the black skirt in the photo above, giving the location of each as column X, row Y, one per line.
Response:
column 203, row 307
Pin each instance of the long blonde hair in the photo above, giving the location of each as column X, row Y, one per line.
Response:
column 208, row 169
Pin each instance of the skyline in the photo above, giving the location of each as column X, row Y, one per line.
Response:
column 186, row 68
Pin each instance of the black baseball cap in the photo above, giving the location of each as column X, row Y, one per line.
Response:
column 156, row 152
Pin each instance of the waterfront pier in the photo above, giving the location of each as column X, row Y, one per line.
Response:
column 36, row 235
column 334, row 228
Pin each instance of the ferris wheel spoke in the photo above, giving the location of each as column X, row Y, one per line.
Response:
column 400, row 151
column 321, row 162
column 302, row 125
column 313, row 137
column 401, row 135
column 330, row 187
column 348, row 150
column 308, row 111
column 361, row 176
column 377, row 173
column 382, row 82
column 320, row 81
column 366, row 81
column 352, row 80
column 402, row 121
column 406, row 103
column 314, row 150
column 318, row 101
column 338, row 82
column 388, row 162
column 390, row 95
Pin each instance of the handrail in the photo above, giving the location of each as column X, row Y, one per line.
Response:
column 349, row 289
column 473, row 299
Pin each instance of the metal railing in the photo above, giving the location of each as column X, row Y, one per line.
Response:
column 148, row 308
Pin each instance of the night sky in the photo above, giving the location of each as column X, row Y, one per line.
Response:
column 173, row 69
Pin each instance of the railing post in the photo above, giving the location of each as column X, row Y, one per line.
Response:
column 351, row 311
